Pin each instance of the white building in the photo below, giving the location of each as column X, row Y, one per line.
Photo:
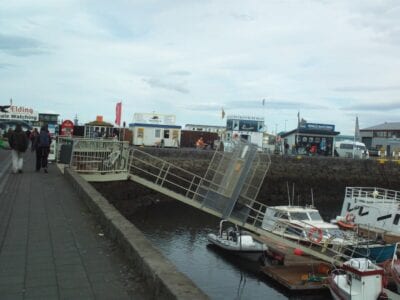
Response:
column 246, row 127
column 155, row 130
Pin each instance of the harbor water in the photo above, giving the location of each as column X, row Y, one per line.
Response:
column 180, row 233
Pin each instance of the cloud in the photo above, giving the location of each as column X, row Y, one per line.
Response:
column 179, row 73
column 158, row 83
column 204, row 107
column 378, row 106
column 243, row 17
column 367, row 88
column 20, row 46
column 274, row 104
column 5, row 65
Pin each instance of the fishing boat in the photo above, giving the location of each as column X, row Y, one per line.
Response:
column 238, row 242
column 374, row 212
column 304, row 224
column 377, row 252
column 358, row 279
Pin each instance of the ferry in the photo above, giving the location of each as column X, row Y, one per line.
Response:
column 374, row 212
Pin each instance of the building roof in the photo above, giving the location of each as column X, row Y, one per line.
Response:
column 305, row 131
column 154, row 125
column 100, row 123
column 207, row 126
column 384, row 126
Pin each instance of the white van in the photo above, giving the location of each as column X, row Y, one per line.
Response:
column 351, row 149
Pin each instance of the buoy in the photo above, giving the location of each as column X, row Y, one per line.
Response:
column 298, row 252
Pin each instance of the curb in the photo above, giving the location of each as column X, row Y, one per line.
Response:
column 4, row 171
column 161, row 276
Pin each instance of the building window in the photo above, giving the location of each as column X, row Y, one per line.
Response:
column 140, row 132
column 157, row 133
column 166, row 134
column 381, row 134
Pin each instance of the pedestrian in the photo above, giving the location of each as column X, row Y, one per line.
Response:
column 19, row 143
column 42, row 147
column 32, row 137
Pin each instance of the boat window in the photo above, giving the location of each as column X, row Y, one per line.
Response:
column 315, row 216
column 281, row 215
column 295, row 231
column 299, row 216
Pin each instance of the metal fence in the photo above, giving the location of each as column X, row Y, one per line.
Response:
column 93, row 155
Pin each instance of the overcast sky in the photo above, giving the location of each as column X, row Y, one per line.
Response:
column 330, row 60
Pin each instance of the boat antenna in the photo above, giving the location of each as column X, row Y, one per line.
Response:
column 312, row 198
column 293, row 193
column 288, row 193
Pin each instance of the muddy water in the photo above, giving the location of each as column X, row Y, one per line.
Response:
column 180, row 232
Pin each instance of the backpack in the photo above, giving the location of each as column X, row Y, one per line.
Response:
column 21, row 141
column 44, row 139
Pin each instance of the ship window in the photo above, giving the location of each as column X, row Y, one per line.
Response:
column 396, row 219
column 281, row 215
column 299, row 216
column 315, row 216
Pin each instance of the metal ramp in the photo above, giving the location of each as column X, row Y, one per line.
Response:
column 228, row 190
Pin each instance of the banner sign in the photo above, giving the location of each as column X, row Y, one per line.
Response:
column 118, row 110
column 154, row 119
column 67, row 128
column 315, row 126
column 20, row 113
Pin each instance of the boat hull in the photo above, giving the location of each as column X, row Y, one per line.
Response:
column 254, row 253
column 376, row 253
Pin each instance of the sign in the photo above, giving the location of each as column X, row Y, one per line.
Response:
column 237, row 117
column 118, row 110
column 67, row 128
column 315, row 126
column 20, row 113
column 159, row 119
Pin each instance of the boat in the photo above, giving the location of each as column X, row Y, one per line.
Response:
column 304, row 224
column 373, row 212
column 238, row 242
column 358, row 279
column 377, row 252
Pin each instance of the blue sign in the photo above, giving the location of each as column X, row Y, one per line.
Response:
column 315, row 126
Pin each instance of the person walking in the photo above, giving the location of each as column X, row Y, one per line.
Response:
column 19, row 143
column 33, row 137
column 42, row 147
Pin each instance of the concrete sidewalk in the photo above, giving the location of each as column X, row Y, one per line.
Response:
column 50, row 245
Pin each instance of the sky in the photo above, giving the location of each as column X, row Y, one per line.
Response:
column 328, row 60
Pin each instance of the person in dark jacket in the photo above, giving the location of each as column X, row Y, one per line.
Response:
column 19, row 143
column 42, row 147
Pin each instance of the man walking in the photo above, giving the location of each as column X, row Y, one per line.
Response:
column 19, row 143
column 42, row 146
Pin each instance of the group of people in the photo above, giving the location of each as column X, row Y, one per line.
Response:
column 19, row 143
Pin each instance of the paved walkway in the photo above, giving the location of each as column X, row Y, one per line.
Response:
column 50, row 245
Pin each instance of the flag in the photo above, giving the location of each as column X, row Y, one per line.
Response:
column 357, row 131
column 118, row 110
column 222, row 113
column 263, row 102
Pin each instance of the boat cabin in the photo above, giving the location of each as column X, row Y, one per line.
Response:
column 296, row 222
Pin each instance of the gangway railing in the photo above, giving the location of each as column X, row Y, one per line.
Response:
column 99, row 156
column 228, row 189
column 372, row 193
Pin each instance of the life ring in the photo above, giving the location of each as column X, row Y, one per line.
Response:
column 350, row 218
column 311, row 235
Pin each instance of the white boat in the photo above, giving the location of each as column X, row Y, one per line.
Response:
column 238, row 242
column 303, row 223
column 358, row 279
column 375, row 212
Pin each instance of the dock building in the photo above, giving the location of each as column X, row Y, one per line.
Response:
column 384, row 137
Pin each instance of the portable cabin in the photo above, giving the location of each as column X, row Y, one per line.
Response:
column 155, row 130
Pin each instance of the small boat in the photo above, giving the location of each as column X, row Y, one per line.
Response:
column 358, row 279
column 238, row 242
column 375, row 212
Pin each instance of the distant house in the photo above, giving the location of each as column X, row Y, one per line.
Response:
column 98, row 128
column 159, row 130
column 307, row 135
column 386, row 136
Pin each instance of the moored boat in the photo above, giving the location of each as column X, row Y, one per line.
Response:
column 358, row 279
column 375, row 212
column 238, row 242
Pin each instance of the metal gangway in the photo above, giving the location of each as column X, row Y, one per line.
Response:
column 228, row 190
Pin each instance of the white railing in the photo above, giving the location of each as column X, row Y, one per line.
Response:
column 372, row 193
column 95, row 155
